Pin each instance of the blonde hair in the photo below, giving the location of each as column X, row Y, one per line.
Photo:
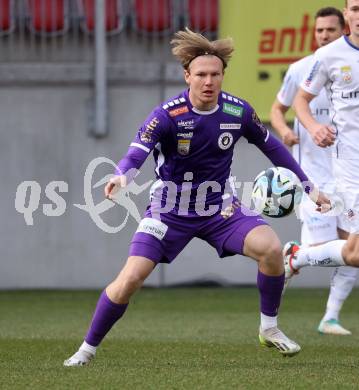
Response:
column 187, row 45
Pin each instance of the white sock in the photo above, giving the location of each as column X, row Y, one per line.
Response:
column 342, row 283
column 268, row 322
column 333, row 308
column 88, row 348
column 325, row 255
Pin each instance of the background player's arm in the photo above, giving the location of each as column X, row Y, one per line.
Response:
column 321, row 134
column 279, row 124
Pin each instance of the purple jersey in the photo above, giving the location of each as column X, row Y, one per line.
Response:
column 197, row 146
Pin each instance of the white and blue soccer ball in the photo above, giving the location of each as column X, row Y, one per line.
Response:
column 276, row 192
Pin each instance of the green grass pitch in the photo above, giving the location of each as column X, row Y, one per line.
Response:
column 185, row 338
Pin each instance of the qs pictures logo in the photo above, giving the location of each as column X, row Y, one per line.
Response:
column 28, row 194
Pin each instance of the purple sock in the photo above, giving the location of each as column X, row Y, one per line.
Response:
column 106, row 314
column 270, row 289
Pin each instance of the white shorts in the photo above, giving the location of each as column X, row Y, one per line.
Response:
column 316, row 227
column 346, row 173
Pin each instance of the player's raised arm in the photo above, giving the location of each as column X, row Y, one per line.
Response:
column 321, row 134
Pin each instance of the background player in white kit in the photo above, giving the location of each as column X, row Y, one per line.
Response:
column 316, row 162
column 335, row 67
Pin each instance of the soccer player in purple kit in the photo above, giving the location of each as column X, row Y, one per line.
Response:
column 192, row 137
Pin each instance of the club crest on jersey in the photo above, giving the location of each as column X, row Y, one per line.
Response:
column 346, row 72
column 225, row 141
column 183, row 146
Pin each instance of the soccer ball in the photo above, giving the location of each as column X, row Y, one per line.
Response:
column 276, row 191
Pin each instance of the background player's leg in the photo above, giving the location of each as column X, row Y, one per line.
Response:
column 342, row 282
column 351, row 250
column 317, row 231
column 338, row 252
column 111, row 306
column 331, row 254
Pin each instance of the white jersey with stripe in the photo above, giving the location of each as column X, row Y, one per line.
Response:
column 314, row 160
column 336, row 67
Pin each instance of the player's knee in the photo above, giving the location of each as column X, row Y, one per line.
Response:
column 272, row 253
column 131, row 282
column 351, row 255
column 275, row 250
column 125, row 286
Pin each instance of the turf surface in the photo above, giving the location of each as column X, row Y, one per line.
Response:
column 193, row 338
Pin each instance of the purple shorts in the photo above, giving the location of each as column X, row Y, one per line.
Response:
column 162, row 240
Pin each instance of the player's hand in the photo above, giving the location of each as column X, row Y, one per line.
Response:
column 114, row 184
column 323, row 135
column 321, row 200
column 290, row 138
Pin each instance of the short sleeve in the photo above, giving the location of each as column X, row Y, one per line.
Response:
column 317, row 75
column 289, row 88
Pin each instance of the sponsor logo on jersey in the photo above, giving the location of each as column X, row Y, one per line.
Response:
column 178, row 111
column 320, row 112
column 232, row 110
column 185, row 135
column 146, row 134
column 183, row 146
column 346, row 72
column 152, row 226
column 312, row 73
column 225, row 141
column 350, row 95
column 230, row 126
column 188, row 125
column 350, row 214
column 325, row 261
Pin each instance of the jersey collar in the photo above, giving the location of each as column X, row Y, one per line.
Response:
column 350, row 43
column 200, row 112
